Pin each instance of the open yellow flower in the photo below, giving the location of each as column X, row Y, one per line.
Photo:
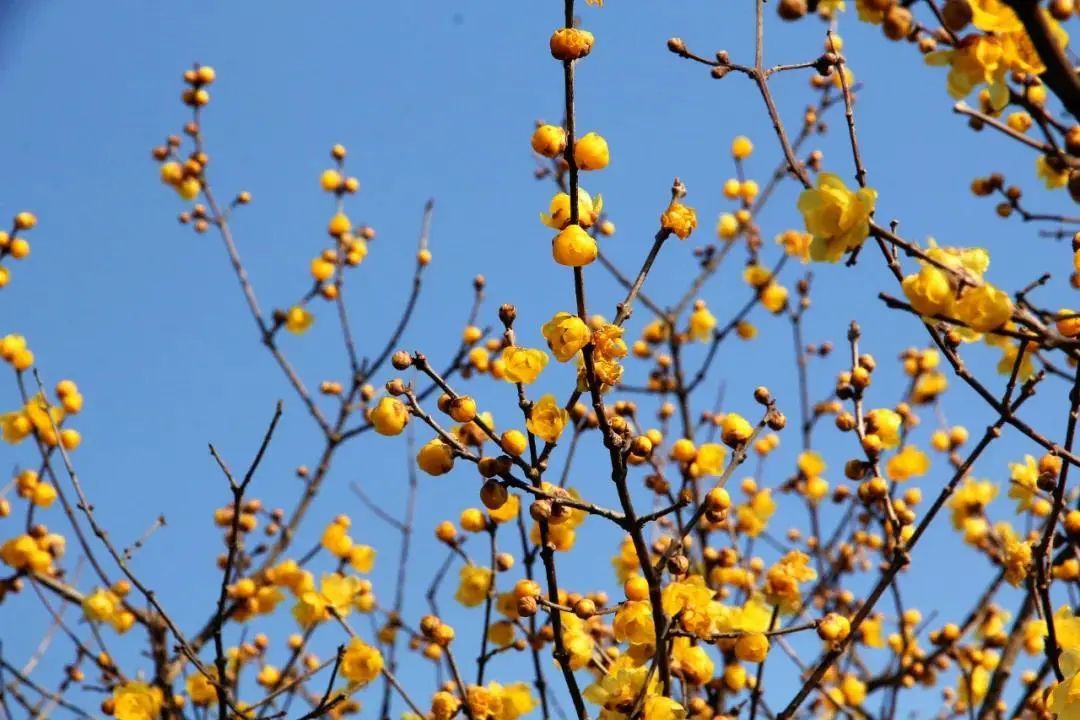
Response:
column 566, row 335
column 838, row 218
column 976, row 60
column 547, row 419
column 136, row 700
column 361, row 663
column 523, row 365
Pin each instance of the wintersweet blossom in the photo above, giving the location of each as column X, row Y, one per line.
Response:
column 838, row 218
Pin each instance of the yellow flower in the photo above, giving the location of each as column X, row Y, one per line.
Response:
column 869, row 13
column 298, row 320
column 853, row 690
column 515, row 700
column 796, row 244
column 136, row 700
column 782, row 580
column 994, row 16
column 566, row 335
column 547, row 419
column 679, row 219
column 558, row 215
column 436, row 457
column 473, row 586
column 1052, row 176
column 908, row 463
column 361, row 663
column 810, row 463
column 659, row 707
column 362, row 558
column 969, row 500
column 625, row 563
column 15, row 427
column 620, row 686
column 507, row 511
column 591, row 152
column 1019, row 53
column 752, row 518
column 1023, row 486
column 573, row 247
column 975, row 61
column 339, row 591
column 523, row 365
column 929, row 291
column 702, row 322
column 578, row 641
column 884, row 423
column 1064, row 700
column 838, row 218
column 1015, row 555
column 200, row 688
column 984, row 308
column 608, row 342
column 549, row 141
column 100, row 605
column 389, row 416
column 571, row 43
column 691, row 662
column 634, row 623
column 774, row 297
column 710, row 459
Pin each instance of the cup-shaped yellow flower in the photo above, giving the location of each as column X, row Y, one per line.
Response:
column 929, row 291
column 573, row 247
column 984, row 308
column 566, row 335
column 558, row 215
column 976, row 60
column 474, row 582
column 100, row 605
column 591, row 152
column 361, row 663
column 884, row 423
column 523, row 365
column 634, row 623
column 389, row 416
column 547, row 419
column 838, row 218
column 609, row 343
column 136, row 700
column 571, row 43
column 679, row 219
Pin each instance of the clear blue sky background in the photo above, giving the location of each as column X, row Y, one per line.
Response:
column 433, row 99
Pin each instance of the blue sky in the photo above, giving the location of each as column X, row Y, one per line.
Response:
column 434, row 100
